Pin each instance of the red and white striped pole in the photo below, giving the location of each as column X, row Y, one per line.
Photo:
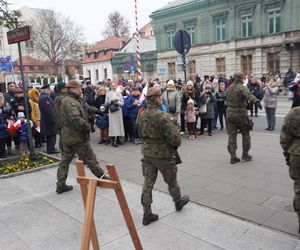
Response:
column 137, row 36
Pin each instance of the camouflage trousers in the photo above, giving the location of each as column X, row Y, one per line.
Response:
column 235, row 124
column 168, row 169
column 294, row 170
column 85, row 153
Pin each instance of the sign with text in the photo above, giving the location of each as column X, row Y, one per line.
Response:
column 18, row 35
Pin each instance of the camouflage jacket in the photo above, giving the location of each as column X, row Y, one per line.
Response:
column 75, row 127
column 237, row 97
column 290, row 133
column 159, row 133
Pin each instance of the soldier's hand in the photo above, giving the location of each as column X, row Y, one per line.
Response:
column 258, row 104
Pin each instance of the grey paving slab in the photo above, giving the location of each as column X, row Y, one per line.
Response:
column 226, row 177
column 252, row 195
column 197, row 181
column 279, row 203
column 163, row 237
column 279, row 178
column 34, row 221
column 252, row 212
column 10, row 192
column 220, row 230
column 248, row 182
column 287, row 222
column 278, row 189
column 220, row 202
column 195, row 193
column 222, row 188
column 36, row 183
column 11, row 241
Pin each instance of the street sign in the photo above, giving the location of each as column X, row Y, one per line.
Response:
column 18, row 35
column 182, row 67
column 162, row 70
column 182, row 42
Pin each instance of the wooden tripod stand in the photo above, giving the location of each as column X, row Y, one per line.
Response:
column 88, row 187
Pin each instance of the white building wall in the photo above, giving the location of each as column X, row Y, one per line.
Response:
column 101, row 66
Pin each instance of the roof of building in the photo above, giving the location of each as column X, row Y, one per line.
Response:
column 111, row 42
column 104, row 49
column 177, row 3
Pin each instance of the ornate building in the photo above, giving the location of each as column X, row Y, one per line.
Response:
column 253, row 36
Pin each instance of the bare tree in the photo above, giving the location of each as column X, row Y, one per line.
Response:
column 7, row 17
column 116, row 25
column 55, row 37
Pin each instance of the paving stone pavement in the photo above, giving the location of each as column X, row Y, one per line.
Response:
column 34, row 217
column 257, row 191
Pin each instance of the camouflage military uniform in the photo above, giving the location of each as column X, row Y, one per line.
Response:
column 237, row 119
column 75, row 137
column 160, row 137
column 290, row 143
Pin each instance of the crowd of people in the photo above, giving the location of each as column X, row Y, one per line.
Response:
column 120, row 103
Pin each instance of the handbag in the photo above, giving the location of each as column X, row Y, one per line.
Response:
column 203, row 109
column 114, row 107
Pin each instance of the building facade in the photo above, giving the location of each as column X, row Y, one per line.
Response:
column 227, row 36
column 97, row 64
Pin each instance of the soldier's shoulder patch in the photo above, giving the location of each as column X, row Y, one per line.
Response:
column 73, row 103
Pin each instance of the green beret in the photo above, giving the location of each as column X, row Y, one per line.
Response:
column 61, row 85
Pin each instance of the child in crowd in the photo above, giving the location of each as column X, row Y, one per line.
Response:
column 102, row 124
column 190, row 118
column 21, row 127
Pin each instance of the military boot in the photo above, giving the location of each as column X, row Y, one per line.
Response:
column 148, row 218
column 234, row 159
column 246, row 157
column 61, row 188
column 182, row 202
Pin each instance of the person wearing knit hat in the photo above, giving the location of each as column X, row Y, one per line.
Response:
column 190, row 118
column 190, row 92
column 172, row 100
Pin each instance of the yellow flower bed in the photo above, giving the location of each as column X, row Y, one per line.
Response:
column 24, row 163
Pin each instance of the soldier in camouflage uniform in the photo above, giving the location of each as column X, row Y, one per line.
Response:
column 75, row 135
column 290, row 143
column 57, row 103
column 161, row 138
column 237, row 118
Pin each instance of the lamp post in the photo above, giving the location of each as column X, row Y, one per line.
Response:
column 24, row 88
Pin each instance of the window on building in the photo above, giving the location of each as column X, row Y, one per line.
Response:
column 220, row 65
column 246, row 64
column 97, row 74
column 89, row 73
column 192, row 33
column 171, row 70
column 220, row 29
column 274, row 21
column 192, row 69
column 31, row 45
column 273, row 60
column 149, row 68
column 41, row 68
column 105, row 73
column 246, row 26
column 31, row 68
column 170, row 35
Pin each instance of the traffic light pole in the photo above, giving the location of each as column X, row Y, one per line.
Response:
column 24, row 89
